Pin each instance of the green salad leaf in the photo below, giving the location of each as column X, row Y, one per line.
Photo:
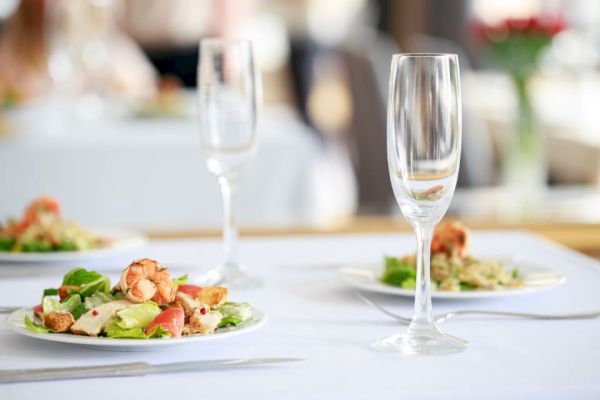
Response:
column 97, row 299
column 115, row 331
column 132, row 321
column 34, row 326
column 35, row 246
column 90, row 282
column 466, row 287
column 137, row 316
column 158, row 332
column 50, row 292
column 6, row 243
column 234, row 313
column 181, row 280
column 396, row 272
column 71, row 304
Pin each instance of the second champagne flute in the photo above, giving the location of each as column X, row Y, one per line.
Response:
column 424, row 141
column 228, row 100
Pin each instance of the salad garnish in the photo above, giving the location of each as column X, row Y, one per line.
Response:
column 452, row 267
column 42, row 229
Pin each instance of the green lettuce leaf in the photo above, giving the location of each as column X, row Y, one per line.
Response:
column 50, row 292
column 91, row 282
column 396, row 272
column 71, row 304
column 158, row 332
column 115, row 331
column 6, row 243
column 35, row 246
column 137, row 316
column 35, row 327
column 234, row 313
column 181, row 280
column 97, row 299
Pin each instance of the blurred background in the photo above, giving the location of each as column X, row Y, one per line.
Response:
column 98, row 108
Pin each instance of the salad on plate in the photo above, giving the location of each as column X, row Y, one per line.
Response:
column 146, row 303
column 453, row 268
column 42, row 229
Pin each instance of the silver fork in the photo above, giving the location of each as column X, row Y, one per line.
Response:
column 446, row 316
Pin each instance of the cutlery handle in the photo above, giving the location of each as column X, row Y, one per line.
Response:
column 45, row 374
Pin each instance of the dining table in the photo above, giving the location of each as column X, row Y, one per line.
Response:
column 151, row 174
column 315, row 316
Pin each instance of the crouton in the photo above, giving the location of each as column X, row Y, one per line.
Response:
column 63, row 291
column 58, row 321
column 212, row 295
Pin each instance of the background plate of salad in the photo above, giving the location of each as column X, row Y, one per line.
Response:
column 117, row 241
column 396, row 278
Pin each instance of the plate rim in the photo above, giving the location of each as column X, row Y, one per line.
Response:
column 375, row 286
column 125, row 240
column 14, row 321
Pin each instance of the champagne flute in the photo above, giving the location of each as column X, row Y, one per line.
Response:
column 423, row 145
column 228, row 99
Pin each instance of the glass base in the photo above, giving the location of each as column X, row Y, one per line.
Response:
column 429, row 340
column 230, row 275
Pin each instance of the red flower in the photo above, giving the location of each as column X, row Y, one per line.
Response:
column 511, row 27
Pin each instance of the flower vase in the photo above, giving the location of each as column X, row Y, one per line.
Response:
column 524, row 166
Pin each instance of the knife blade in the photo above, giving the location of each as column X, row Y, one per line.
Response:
column 131, row 369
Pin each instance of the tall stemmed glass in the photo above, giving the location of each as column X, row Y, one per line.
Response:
column 423, row 141
column 228, row 100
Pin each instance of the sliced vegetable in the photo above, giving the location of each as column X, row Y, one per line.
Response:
column 171, row 320
column 38, row 310
column 192, row 290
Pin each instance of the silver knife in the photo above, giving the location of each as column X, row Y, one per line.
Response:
column 131, row 369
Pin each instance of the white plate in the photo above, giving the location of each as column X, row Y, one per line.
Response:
column 15, row 323
column 123, row 240
column 536, row 279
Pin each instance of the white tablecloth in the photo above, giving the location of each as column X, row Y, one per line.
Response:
column 150, row 174
column 313, row 315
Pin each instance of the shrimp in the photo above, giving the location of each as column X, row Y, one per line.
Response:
column 42, row 207
column 146, row 279
column 450, row 238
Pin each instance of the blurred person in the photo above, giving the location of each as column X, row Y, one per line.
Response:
column 46, row 45
column 169, row 31
column 23, row 60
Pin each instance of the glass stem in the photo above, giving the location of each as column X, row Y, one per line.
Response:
column 230, row 233
column 423, row 316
